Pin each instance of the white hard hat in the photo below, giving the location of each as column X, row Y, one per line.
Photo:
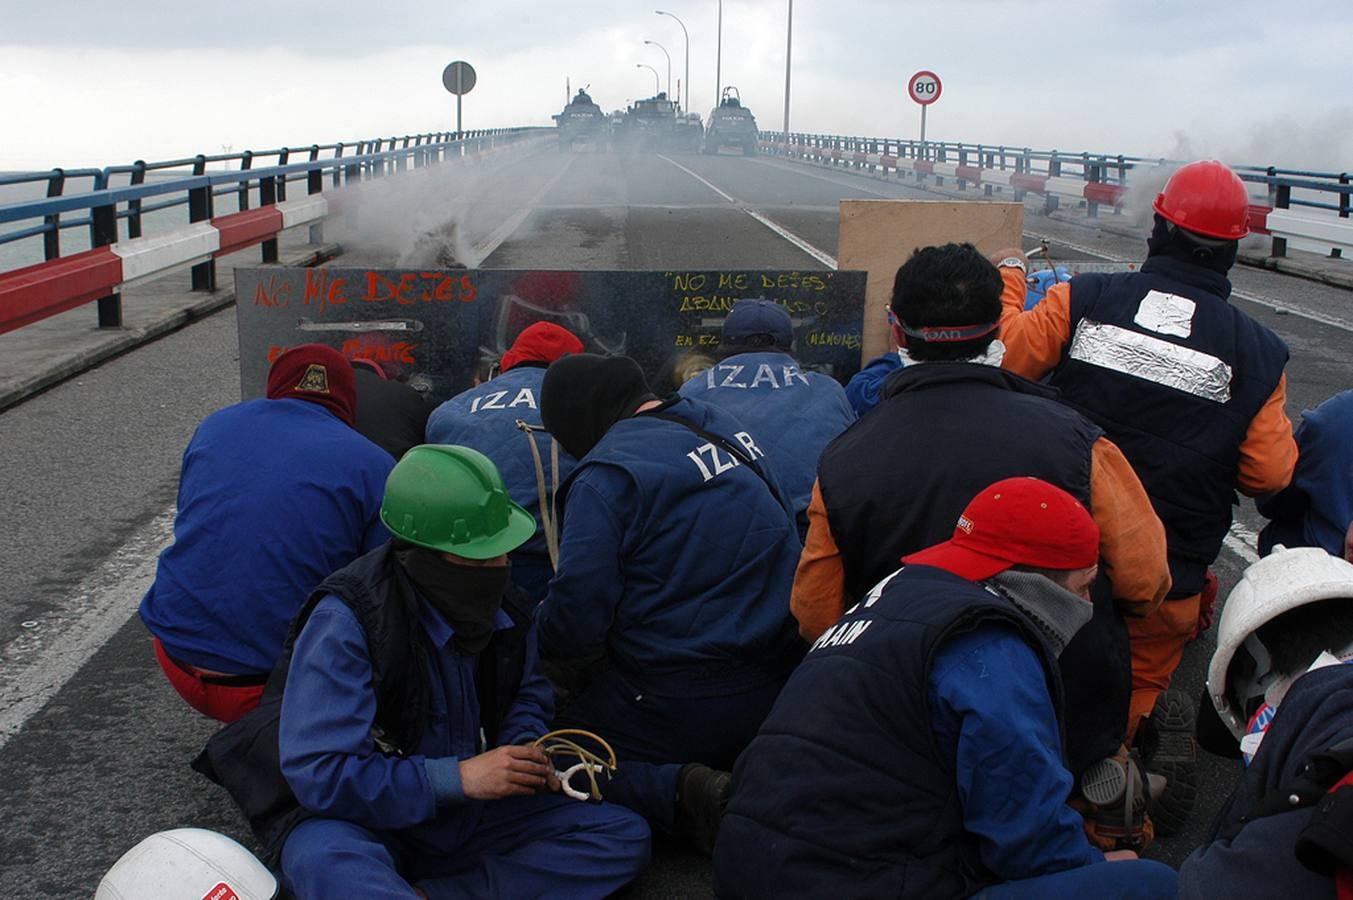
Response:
column 1278, row 583
column 187, row 864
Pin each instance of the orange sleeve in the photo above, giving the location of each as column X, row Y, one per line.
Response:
column 1269, row 452
column 1131, row 537
column 819, row 595
column 1034, row 339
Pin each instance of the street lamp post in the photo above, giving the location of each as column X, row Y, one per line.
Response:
column 657, row 83
column 687, row 36
column 789, row 47
column 669, row 65
column 718, row 59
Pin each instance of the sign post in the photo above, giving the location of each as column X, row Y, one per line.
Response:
column 924, row 87
column 458, row 78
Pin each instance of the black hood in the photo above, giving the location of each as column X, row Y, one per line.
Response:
column 583, row 395
column 1167, row 240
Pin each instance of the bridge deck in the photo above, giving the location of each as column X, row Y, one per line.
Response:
column 95, row 744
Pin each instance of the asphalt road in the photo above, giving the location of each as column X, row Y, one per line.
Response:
column 94, row 745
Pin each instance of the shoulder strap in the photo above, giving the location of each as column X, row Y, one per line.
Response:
column 737, row 452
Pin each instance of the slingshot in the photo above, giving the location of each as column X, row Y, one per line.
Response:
column 557, row 743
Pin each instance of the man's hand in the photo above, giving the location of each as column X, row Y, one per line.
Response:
column 511, row 771
column 1120, row 856
column 1348, row 543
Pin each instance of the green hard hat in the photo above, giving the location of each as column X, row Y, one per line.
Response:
column 450, row 498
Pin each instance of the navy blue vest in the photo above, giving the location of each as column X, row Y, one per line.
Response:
column 792, row 414
column 896, row 481
column 709, row 562
column 844, row 791
column 244, row 757
column 1174, row 375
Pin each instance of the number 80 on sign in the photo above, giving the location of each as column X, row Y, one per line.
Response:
column 924, row 87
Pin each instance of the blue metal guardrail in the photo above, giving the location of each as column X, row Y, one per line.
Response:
column 1286, row 188
column 122, row 194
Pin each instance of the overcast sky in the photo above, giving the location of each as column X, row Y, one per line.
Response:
column 107, row 83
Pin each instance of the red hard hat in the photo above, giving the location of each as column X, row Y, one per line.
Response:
column 1207, row 198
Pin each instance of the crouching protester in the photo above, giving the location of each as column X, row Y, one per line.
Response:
column 671, row 601
column 251, row 539
column 490, row 417
column 1281, row 684
column 393, row 750
column 916, row 751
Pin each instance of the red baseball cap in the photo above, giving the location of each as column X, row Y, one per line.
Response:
column 543, row 342
column 317, row 373
column 1016, row 522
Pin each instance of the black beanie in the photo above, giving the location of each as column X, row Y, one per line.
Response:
column 583, row 395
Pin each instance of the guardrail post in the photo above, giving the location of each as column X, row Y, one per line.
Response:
column 51, row 238
column 134, row 206
column 1337, row 253
column 246, row 163
column 1122, row 179
column 267, row 196
column 102, row 232
column 282, row 157
column 200, row 204
column 314, row 184
column 1280, row 197
column 1095, row 173
column 1051, row 200
column 353, row 171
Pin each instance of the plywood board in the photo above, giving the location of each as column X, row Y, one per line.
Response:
column 877, row 236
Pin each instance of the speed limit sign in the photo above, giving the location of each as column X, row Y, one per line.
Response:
column 924, row 87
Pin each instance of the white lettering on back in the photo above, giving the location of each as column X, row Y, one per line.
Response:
column 489, row 401
column 524, row 398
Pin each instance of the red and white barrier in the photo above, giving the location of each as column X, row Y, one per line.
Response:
column 30, row 294
column 1306, row 229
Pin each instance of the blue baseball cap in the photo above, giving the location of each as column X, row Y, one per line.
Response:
column 758, row 322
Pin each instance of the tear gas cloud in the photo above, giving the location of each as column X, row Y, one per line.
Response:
column 432, row 217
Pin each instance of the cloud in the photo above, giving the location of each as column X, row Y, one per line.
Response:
column 149, row 79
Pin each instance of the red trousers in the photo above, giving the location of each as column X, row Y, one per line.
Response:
column 1157, row 647
column 221, row 697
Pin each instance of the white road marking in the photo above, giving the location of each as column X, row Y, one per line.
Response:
column 39, row 662
column 1242, row 542
column 820, row 255
column 484, row 249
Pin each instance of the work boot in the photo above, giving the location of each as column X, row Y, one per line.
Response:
column 702, row 797
column 1170, row 748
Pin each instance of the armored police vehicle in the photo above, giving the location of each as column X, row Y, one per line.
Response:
column 731, row 124
column 582, row 124
column 649, row 125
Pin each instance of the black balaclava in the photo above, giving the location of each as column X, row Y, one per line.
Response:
column 468, row 597
column 583, row 395
column 1168, row 239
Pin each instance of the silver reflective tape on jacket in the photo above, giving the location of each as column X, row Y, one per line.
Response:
column 1152, row 359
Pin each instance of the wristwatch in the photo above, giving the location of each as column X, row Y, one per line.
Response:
column 1014, row 261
